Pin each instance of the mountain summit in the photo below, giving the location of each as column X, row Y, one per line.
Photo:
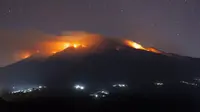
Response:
column 103, row 60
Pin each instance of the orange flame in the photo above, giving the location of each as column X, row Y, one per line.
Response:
column 76, row 41
column 66, row 45
column 55, row 47
column 22, row 55
column 26, row 56
column 54, row 52
column 49, row 48
column 154, row 50
column 138, row 46
column 134, row 45
column 56, row 44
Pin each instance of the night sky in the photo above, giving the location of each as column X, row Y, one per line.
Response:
column 169, row 25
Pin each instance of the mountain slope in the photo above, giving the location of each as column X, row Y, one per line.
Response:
column 106, row 62
column 23, row 71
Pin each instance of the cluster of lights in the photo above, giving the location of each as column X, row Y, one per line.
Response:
column 158, row 83
column 28, row 90
column 79, row 87
column 120, row 85
column 100, row 94
column 197, row 79
column 103, row 92
column 184, row 82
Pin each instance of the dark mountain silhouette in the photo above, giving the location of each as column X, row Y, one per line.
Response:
column 23, row 71
column 108, row 61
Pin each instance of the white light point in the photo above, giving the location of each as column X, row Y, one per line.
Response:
column 159, row 83
column 105, row 92
column 96, row 96
column 79, row 87
column 120, row 85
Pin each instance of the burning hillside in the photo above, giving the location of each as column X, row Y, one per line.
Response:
column 93, row 58
column 54, row 45
column 138, row 46
column 134, row 45
column 74, row 40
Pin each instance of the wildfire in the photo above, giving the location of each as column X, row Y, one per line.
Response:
column 138, row 46
column 50, row 48
column 134, row 45
column 22, row 55
column 74, row 45
column 26, row 56
column 73, row 40
column 153, row 50
column 66, row 45
column 54, row 52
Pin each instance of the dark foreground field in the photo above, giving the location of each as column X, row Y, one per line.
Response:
column 112, row 103
column 151, row 100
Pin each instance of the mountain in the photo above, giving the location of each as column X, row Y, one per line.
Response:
column 107, row 61
column 25, row 69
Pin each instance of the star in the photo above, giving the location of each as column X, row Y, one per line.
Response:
column 9, row 11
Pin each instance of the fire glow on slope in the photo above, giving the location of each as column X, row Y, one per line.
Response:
column 50, row 48
column 22, row 55
column 25, row 55
column 54, row 47
column 138, row 46
column 74, row 40
column 134, row 44
column 153, row 50
column 56, row 44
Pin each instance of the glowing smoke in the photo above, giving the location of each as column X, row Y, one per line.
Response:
column 59, row 43
column 20, row 45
